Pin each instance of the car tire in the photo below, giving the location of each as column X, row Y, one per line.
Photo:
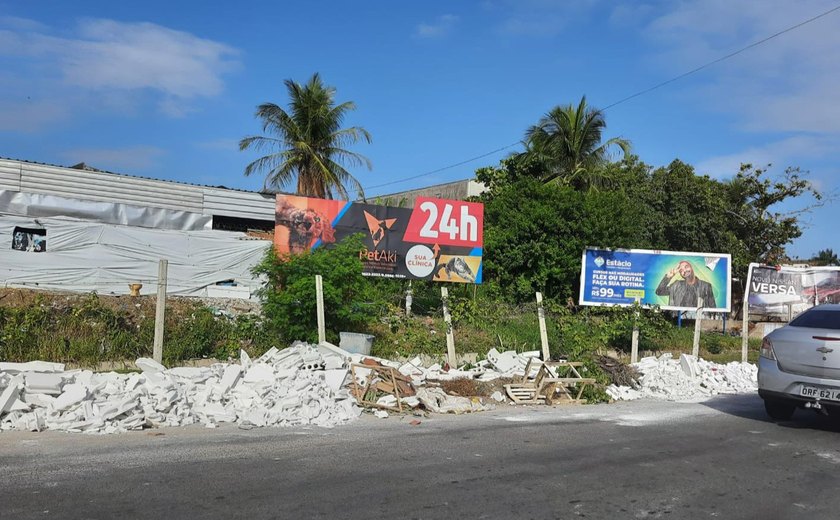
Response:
column 779, row 410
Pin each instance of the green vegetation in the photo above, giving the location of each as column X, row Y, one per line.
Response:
column 88, row 333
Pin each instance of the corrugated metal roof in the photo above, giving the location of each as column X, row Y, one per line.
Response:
column 87, row 183
column 97, row 170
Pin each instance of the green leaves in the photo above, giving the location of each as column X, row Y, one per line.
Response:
column 535, row 233
column 351, row 300
column 308, row 142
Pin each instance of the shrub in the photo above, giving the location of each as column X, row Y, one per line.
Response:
column 351, row 301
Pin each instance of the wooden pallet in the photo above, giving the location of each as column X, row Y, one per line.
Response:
column 555, row 381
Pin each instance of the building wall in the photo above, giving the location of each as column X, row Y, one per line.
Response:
column 457, row 190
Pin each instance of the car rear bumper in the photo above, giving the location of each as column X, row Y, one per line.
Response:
column 778, row 385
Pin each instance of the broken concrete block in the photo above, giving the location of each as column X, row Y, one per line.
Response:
column 387, row 400
column 72, row 395
column 382, row 414
column 10, row 394
column 229, row 379
column 149, row 365
column 43, row 382
column 38, row 400
column 259, row 372
column 689, row 366
column 194, row 374
column 244, row 359
column 507, row 361
column 335, row 378
column 31, row 366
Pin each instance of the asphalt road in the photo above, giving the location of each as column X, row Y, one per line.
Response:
column 643, row 459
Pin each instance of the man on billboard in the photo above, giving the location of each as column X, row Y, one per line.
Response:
column 685, row 292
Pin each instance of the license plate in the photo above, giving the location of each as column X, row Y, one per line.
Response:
column 830, row 394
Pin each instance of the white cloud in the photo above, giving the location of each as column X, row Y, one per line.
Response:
column 788, row 84
column 105, row 59
column 542, row 18
column 781, row 154
column 116, row 159
column 442, row 26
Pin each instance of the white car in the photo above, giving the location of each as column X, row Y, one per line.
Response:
column 799, row 364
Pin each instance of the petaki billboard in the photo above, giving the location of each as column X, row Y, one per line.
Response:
column 438, row 239
column 785, row 291
column 670, row 279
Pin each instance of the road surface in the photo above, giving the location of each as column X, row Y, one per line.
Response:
column 643, row 459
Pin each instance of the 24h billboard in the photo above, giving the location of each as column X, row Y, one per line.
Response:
column 438, row 239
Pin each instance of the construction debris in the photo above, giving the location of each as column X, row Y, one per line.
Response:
column 281, row 388
column 688, row 378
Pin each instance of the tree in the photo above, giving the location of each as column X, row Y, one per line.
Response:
column 826, row 257
column 534, row 234
column 567, row 141
column 307, row 142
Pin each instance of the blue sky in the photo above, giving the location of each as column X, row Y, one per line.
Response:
column 166, row 89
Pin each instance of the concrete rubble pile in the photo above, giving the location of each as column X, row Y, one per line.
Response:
column 300, row 385
column 497, row 365
column 687, row 378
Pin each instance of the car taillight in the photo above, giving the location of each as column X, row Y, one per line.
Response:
column 767, row 349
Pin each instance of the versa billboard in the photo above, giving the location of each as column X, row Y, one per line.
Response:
column 438, row 239
column 672, row 280
column 785, row 291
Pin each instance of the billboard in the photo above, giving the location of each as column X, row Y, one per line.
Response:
column 438, row 239
column 784, row 291
column 672, row 280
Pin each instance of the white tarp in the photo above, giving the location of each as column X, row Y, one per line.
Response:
column 89, row 256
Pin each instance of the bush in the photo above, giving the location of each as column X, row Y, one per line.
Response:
column 352, row 302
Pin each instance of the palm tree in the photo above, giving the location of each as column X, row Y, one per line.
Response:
column 567, row 141
column 307, row 142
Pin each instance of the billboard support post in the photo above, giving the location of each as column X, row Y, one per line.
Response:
column 160, row 311
column 447, row 318
column 319, row 296
column 634, row 346
column 546, row 354
column 698, row 319
column 745, row 329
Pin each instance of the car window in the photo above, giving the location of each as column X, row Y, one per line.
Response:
column 818, row 319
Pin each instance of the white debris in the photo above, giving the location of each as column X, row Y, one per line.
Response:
column 687, row 379
column 438, row 401
column 281, row 388
column 382, row 414
column 497, row 396
column 31, row 366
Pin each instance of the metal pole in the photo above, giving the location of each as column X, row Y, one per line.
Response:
column 543, row 332
column 450, row 337
column 319, row 296
column 695, row 348
column 409, row 298
column 160, row 311
column 634, row 344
